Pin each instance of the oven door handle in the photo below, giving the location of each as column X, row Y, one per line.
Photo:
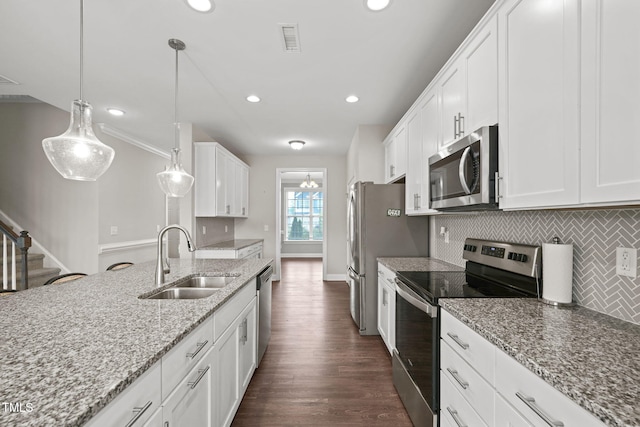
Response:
column 412, row 298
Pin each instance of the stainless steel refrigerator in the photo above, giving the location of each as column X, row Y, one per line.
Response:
column 378, row 227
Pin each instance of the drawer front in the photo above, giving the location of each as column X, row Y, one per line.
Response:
column 535, row 399
column 473, row 348
column 454, row 408
column 387, row 275
column 135, row 405
column 225, row 316
column 249, row 250
column 475, row 389
column 183, row 357
column 507, row 416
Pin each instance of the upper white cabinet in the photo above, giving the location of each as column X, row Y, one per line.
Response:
column 539, row 103
column 422, row 142
column 395, row 154
column 610, row 104
column 221, row 182
column 468, row 86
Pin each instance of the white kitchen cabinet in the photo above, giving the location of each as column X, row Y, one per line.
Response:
column 539, row 103
column 387, row 306
column 422, row 142
column 136, row 404
column 395, row 154
column 191, row 403
column 221, row 182
column 155, row 420
column 482, row 385
column 610, row 105
column 235, row 361
column 468, row 86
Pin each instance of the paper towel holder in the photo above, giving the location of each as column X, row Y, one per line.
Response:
column 556, row 241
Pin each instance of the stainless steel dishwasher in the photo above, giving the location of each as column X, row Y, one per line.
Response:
column 263, row 284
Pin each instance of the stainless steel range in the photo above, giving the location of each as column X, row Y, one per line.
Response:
column 494, row 270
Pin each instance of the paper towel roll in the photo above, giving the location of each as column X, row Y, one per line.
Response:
column 557, row 272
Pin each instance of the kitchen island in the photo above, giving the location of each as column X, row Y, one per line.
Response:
column 589, row 357
column 66, row 351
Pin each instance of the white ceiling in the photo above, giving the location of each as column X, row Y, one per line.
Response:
column 386, row 58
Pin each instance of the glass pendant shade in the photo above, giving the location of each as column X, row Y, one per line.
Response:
column 175, row 181
column 77, row 154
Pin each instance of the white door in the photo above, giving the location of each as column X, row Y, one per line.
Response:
column 539, row 90
column 610, row 100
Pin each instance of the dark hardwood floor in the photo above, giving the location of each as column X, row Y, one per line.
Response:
column 318, row 371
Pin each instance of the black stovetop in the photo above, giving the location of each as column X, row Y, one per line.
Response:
column 433, row 285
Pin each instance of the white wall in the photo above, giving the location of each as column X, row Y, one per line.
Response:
column 262, row 204
column 71, row 219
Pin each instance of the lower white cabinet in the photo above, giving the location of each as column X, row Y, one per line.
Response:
column 504, row 395
column 191, row 402
column 253, row 251
column 387, row 306
column 201, row 381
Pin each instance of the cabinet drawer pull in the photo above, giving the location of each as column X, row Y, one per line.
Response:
column 458, row 378
column 458, row 341
column 456, row 417
column 199, row 347
column 201, row 373
column 137, row 413
column 531, row 403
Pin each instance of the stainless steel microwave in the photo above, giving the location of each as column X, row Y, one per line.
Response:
column 463, row 175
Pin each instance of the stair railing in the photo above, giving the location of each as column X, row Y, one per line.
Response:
column 22, row 242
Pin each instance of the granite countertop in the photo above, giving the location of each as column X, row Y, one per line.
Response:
column 67, row 350
column 234, row 244
column 418, row 264
column 590, row 357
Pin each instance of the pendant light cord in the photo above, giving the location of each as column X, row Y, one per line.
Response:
column 81, row 46
column 177, row 126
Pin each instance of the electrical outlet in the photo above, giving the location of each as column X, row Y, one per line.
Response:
column 114, row 230
column 226, row 228
column 266, row 227
column 446, row 236
column 204, row 229
column 627, row 262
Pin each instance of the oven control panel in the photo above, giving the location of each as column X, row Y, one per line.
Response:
column 515, row 257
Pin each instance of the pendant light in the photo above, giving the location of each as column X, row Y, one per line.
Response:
column 77, row 154
column 175, row 181
column 308, row 183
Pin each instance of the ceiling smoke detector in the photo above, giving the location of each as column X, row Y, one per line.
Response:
column 290, row 38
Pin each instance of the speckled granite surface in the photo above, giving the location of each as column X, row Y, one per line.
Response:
column 418, row 264
column 590, row 357
column 67, row 350
column 231, row 245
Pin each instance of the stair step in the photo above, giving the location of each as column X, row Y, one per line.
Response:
column 38, row 277
column 34, row 262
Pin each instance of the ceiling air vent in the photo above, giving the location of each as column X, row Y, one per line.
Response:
column 7, row 81
column 290, row 38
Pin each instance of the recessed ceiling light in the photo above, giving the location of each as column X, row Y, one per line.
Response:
column 352, row 98
column 204, row 6
column 115, row 112
column 377, row 5
column 253, row 98
column 296, row 145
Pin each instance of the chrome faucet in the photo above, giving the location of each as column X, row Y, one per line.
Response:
column 160, row 267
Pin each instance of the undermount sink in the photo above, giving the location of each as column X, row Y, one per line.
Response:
column 193, row 287
column 182, row 293
column 208, row 282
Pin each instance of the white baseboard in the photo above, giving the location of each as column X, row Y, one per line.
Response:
column 336, row 278
column 298, row 255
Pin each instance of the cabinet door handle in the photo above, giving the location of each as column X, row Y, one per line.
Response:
column 458, row 378
column 392, row 171
column 455, row 126
column 497, row 180
column 201, row 373
column 419, row 201
column 384, row 297
column 458, row 341
column 456, row 417
column 531, row 403
column 137, row 413
column 199, row 347
column 461, row 124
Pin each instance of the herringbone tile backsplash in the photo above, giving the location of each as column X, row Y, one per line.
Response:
column 595, row 235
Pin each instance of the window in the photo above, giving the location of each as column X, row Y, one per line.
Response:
column 303, row 211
